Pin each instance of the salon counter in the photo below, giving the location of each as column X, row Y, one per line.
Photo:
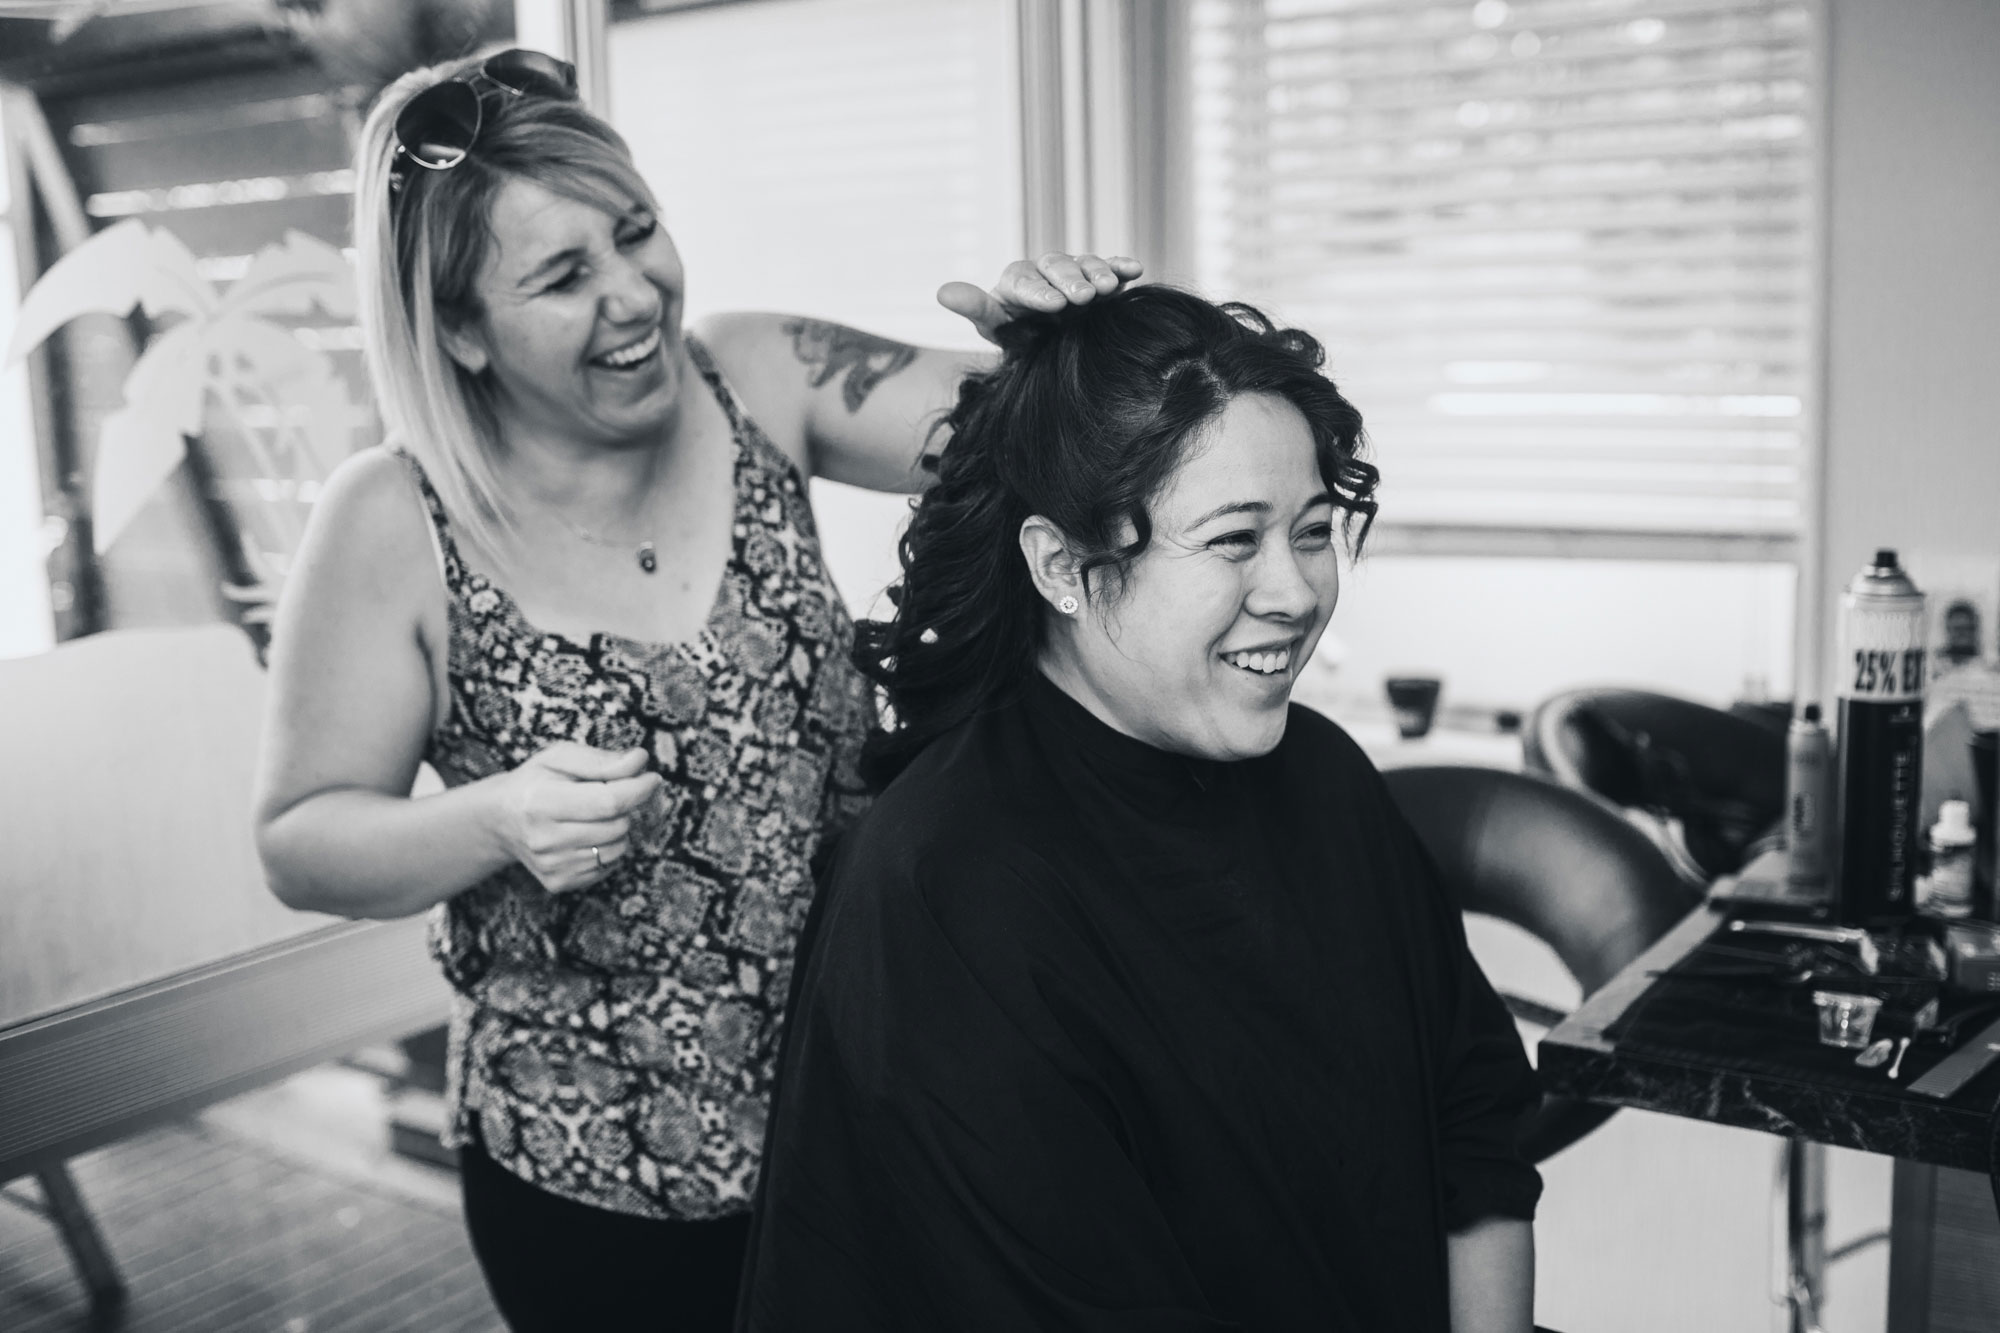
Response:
column 1579, row 1059
column 1944, row 1261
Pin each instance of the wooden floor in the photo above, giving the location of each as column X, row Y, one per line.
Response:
column 218, row 1226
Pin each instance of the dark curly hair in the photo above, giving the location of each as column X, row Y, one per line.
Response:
column 1083, row 421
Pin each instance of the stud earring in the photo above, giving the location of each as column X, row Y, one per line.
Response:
column 1067, row 606
column 928, row 636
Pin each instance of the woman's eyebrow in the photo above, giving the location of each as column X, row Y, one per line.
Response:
column 1258, row 507
column 637, row 213
column 1234, row 507
column 560, row 257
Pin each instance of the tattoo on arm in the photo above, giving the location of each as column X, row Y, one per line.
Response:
column 834, row 349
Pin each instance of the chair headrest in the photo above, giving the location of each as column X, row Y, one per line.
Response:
column 1720, row 774
column 1559, row 863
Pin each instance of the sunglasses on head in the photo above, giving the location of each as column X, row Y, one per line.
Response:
column 438, row 127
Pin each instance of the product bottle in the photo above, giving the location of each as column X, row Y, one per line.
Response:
column 1808, row 785
column 1950, row 882
column 1880, row 674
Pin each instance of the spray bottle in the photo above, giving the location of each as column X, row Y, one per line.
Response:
column 1880, row 676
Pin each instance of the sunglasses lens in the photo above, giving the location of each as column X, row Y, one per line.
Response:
column 439, row 125
column 532, row 72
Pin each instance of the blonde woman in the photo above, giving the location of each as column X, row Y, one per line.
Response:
column 584, row 585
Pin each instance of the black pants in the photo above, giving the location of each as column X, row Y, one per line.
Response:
column 559, row 1265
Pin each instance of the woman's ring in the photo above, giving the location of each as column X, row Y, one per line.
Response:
column 598, row 857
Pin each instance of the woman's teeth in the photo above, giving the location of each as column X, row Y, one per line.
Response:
column 631, row 355
column 1264, row 664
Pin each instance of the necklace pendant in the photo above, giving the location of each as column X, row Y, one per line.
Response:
column 648, row 561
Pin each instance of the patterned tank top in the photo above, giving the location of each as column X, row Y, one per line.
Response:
column 616, row 1045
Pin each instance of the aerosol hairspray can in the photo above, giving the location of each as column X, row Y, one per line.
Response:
column 1880, row 678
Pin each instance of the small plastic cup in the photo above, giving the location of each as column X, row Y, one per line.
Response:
column 1846, row 1021
column 1414, row 700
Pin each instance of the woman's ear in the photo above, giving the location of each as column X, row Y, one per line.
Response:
column 463, row 344
column 1050, row 563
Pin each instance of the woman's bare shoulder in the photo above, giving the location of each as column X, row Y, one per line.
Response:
column 370, row 525
column 754, row 352
column 742, row 341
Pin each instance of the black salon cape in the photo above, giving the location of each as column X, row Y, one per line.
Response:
column 1095, row 1037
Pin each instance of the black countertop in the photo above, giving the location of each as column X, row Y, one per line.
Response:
column 1578, row 1060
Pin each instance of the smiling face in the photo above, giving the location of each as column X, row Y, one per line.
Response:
column 579, row 321
column 1197, row 652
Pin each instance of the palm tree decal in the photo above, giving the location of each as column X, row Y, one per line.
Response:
column 234, row 353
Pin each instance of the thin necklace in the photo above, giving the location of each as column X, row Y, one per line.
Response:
column 644, row 552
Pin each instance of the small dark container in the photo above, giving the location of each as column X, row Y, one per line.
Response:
column 1415, row 700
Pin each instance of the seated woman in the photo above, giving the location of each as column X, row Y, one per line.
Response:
column 1134, row 1004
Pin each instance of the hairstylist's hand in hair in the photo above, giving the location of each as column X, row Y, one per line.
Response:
column 1048, row 283
column 566, row 800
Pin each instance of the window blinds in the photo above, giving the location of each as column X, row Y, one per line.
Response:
column 1559, row 250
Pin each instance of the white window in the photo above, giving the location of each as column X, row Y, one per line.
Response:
column 1559, row 250
column 835, row 158
column 1561, row 255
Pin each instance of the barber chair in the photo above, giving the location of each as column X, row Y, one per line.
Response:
column 1718, row 776
column 1559, row 864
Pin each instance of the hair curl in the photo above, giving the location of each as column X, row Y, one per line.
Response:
column 1083, row 422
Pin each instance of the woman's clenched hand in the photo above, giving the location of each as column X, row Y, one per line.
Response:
column 566, row 814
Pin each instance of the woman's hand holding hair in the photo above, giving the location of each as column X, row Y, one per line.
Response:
column 1044, row 284
column 865, row 405
column 566, row 814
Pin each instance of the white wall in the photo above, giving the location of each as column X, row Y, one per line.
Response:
column 1510, row 632
column 1912, row 450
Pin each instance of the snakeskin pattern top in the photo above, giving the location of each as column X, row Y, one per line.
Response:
column 616, row 1045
